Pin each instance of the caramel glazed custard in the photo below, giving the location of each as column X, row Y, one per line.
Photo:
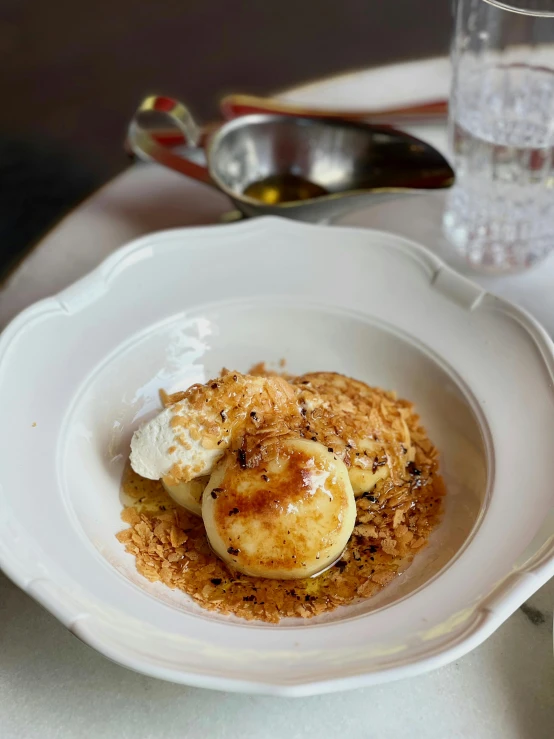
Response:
column 318, row 479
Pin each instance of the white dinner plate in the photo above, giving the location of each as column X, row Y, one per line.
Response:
column 80, row 371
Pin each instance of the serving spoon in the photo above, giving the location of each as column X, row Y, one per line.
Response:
column 236, row 104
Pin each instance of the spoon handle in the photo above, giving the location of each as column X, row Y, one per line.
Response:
column 235, row 105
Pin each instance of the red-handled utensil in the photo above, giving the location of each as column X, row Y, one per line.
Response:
column 236, row 105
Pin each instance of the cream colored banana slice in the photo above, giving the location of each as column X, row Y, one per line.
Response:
column 288, row 518
column 189, row 494
column 363, row 481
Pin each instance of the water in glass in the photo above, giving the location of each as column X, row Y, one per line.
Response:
column 501, row 212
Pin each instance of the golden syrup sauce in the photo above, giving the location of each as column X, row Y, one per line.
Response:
column 284, row 188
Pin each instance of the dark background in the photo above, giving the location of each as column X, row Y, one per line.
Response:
column 73, row 73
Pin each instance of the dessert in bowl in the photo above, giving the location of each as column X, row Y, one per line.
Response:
column 318, row 478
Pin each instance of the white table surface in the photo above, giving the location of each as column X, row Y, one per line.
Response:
column 52, row 685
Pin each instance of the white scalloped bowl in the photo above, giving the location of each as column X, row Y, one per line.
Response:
column 172, row 309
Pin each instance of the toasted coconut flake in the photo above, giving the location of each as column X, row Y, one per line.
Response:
column 366, row 530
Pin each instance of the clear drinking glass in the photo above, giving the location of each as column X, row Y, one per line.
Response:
column 500, row 213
